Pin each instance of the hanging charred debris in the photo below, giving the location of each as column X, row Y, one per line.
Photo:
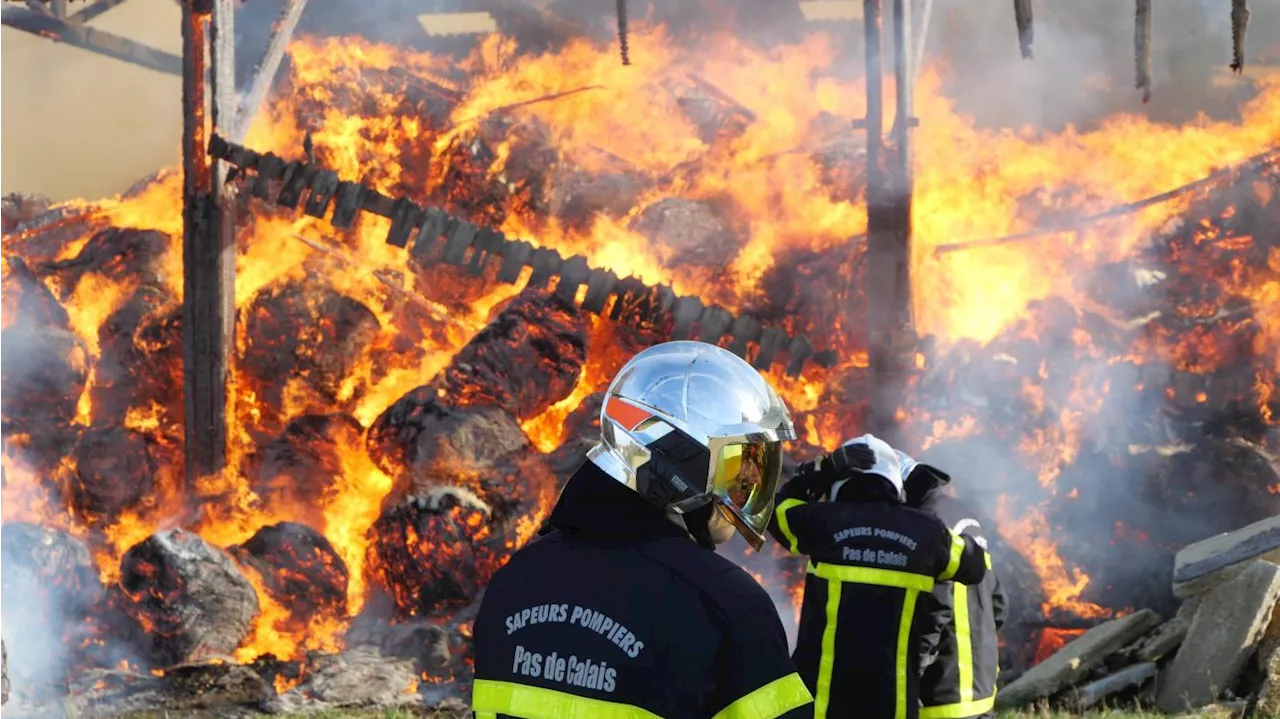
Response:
column 1142, row 49
column 1239, row 24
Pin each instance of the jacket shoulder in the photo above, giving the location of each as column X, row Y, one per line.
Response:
column 726, row 587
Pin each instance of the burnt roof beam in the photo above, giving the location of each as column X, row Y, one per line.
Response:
column 77, row 34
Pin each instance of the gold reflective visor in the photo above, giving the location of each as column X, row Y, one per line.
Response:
column 746, row 478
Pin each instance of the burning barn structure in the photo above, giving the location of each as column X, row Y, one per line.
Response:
column 440, row 260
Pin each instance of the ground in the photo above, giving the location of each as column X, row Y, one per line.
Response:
column 402, row 714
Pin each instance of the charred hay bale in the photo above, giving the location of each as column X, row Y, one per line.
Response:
column 438, row 549
column 115, row 472
column 27, row 301
column 50, row 586
column 187, row 596
column 520, row 151
column 118, row 255
column 690, row 232
column 424, row 642
column 19, row 208
column 581, row 433
column 432, row 444
column 44, row 373
column 305, row 460
column 300, row 568
column 577, row 197
column 818, row 287
column 139, row 361
column 295, row 330
column 526, row 359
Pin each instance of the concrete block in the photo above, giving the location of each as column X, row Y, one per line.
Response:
column 1223, row 636
column 1204, row 565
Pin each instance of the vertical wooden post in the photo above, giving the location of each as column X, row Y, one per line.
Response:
column 208, row 243
column 889, row 189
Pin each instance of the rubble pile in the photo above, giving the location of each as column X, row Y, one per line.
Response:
column 1221, row 646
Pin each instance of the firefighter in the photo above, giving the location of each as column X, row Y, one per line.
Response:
column 624, row 608
column 961, row 653
column 871, row 557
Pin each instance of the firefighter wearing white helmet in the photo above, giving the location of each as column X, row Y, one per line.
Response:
column 871, row 557
column 622, row 608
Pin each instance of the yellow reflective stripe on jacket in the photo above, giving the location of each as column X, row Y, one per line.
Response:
column 964, row 641
column 953, row 562
column 784, row 525
column 491, row 697
column 827, row 663
column 904, row 646
column 961, row 710
column 769, row 701
column 836, row 575
column 873, row 575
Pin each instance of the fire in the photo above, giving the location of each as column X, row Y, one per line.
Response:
column 353, row 98
column 1051, row 640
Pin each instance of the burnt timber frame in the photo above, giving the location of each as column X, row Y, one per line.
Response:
column 208, row 235
column 55, row 23
column 890, row 183
column 431, row 235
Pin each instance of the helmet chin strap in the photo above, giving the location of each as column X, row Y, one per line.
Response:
column 698, row 523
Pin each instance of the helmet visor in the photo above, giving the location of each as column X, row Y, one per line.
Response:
column 746, row 476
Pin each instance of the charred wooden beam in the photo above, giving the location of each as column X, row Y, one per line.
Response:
column 889, row 199
column 265, row 74
column 1142, row 48
column 94, row 10
column 91, row 39
column 1026, row 30
column 208, row 243
column 441, row 237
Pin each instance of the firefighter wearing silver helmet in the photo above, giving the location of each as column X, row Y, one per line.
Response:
column 622, row 607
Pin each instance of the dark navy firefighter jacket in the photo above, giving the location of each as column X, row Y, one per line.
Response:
column 617, row 613
column 961, row 655
column 871, row 558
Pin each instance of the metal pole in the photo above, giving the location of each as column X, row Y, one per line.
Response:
column 208, row 248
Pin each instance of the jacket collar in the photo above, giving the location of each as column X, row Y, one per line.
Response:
column 593, row 503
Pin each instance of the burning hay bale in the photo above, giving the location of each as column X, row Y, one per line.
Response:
column 692, row 232
column 139, row 348
column 115, row 471
column 50, row 587
column 44, row 373
column 118, row 255
column 526, row 359
column 577, row 197
column 296, row 331
column 486, row 197
column 19, row 208
column 361, row 677
column 438, row 549
column 300, row 568
column 305, row 461
column 581, row 433
column 187, row 598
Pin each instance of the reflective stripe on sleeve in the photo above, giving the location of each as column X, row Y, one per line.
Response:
column 960, row 710
column 493, row 697
column 769, row 701
column 827, row 663
column 784, row 525
column 953, row 562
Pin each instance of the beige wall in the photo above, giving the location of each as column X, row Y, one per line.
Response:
column 78, row 124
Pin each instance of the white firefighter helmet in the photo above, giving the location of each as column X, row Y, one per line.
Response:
column 889, row 464
column 695, row 430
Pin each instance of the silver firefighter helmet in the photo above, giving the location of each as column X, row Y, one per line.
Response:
column 697, row 432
